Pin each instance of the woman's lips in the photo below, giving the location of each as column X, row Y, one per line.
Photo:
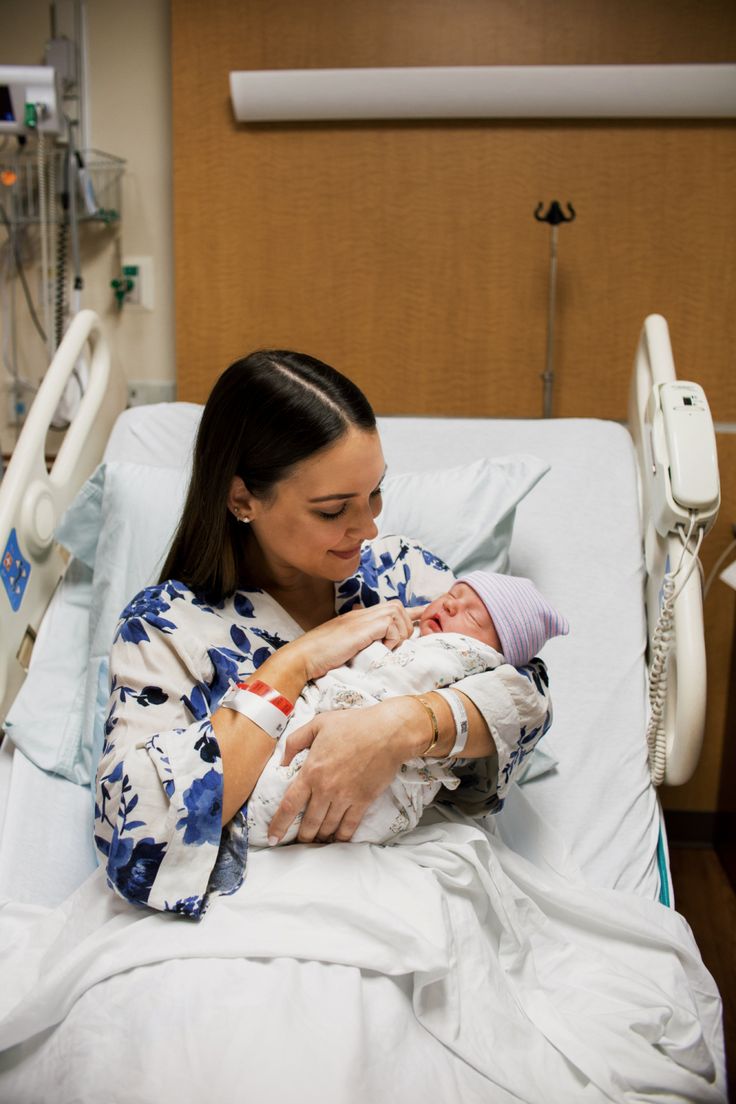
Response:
column 346, row 555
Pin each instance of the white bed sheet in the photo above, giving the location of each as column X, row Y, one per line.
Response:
column 448, row 967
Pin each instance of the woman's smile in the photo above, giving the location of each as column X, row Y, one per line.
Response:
column 349, row 555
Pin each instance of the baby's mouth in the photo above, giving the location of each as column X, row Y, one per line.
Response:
column 431, row 625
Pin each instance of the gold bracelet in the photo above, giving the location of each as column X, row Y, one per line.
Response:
column 435, row 727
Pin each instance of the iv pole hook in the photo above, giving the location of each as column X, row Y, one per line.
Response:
column 555, row 216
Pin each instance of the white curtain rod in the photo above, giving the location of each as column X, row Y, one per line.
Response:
column 502, row 91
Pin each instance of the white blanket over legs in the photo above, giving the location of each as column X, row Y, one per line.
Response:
column 447, row 967
column 416, row 666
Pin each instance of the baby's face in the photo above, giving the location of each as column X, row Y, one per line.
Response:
column 460, row 610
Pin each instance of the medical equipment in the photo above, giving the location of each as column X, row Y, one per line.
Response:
column 578, row 851
column 29, row 100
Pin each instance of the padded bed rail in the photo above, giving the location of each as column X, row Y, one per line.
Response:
column 33, row 499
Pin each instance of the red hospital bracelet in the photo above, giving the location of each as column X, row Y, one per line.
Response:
column 261, row 704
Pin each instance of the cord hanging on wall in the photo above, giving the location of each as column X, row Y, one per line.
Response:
column 555, row 217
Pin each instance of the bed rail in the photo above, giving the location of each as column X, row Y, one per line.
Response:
column 32, row 499
column 685, row 702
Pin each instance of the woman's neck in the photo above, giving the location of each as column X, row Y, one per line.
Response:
column 308, row 606
column 310, row 601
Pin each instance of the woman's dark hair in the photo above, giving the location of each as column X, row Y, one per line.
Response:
column 265, row 414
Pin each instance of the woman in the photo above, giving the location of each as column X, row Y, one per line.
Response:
column 285, row 489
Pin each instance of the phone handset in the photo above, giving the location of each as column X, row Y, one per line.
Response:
column 685, row 483
column 685, row 495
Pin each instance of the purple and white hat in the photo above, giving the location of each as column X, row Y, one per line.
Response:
column 524, row 620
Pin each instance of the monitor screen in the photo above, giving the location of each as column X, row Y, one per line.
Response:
column 6, row 105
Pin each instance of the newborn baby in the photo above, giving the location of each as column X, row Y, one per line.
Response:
column 484, row 622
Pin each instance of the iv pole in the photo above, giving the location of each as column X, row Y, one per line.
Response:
column 555, row 216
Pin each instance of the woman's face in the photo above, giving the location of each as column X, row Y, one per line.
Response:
column 322, row 512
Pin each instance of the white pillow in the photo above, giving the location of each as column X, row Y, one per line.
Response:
column 121, row 524
column 465, row 515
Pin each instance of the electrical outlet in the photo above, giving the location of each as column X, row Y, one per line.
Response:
column 16, row 407
column 144, row 392
column 140, row 271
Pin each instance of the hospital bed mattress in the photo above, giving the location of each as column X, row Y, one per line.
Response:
column 577, row 535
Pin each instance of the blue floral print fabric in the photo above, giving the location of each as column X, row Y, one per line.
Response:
column 158, row 809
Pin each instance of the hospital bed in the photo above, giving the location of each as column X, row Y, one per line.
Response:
column 534, row 955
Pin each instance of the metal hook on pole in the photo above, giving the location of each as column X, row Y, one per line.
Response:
column 555, row 216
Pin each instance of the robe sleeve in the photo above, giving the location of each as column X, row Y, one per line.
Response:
column 158, row 810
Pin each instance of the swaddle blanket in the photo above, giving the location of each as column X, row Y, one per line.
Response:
column 416, row 666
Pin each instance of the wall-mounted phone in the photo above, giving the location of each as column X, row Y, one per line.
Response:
column 685, row 487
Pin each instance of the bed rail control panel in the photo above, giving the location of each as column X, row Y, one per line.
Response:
column 685, row 483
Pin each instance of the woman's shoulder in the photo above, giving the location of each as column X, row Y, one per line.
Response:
column 163, row 608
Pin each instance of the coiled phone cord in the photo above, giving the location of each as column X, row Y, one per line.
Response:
column 662, row 638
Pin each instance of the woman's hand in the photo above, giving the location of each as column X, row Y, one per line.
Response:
column 339, row 639
column 355, row 755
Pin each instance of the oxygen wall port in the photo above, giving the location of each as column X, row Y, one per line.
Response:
column 134, row 288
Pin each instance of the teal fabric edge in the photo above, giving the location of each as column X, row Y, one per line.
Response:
column 664, row 879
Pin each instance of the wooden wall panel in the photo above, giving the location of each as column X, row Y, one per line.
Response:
column 407, row 253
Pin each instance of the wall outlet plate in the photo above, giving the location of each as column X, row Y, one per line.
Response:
column 145, row 392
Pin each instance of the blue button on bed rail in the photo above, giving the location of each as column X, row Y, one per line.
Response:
column 15, row 571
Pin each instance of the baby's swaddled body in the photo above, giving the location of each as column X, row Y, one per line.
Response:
column 416, row 666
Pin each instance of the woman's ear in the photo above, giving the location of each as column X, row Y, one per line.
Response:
column 240, row 501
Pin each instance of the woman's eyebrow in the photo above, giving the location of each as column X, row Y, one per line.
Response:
column 328, row 498
column 347, row 494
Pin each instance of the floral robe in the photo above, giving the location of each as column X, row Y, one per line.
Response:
column 158, row 809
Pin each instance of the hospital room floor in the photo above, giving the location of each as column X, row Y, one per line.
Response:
column 703, row 895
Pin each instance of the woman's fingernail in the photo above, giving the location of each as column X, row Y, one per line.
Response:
column 272, row 841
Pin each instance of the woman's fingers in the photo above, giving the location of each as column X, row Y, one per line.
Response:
column 313, row 820
column 293, row 802
column 297, row 741
column 349, row 823
column 331, row 822
column 400, row 626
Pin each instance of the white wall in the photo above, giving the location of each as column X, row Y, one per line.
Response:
column 129, row 95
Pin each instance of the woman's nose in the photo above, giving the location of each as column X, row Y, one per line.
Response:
column 365, row 528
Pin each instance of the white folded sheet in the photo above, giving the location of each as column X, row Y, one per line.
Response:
column 504, row 975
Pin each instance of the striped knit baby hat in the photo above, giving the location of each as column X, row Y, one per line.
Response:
column 524, row 620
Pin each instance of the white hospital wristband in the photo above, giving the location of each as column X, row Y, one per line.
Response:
column 261, row 704
column 460, row 717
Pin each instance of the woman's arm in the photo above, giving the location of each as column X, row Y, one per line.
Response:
column 356, row 754
column 245, row 748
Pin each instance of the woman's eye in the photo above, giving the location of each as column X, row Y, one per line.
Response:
column 331, row 517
